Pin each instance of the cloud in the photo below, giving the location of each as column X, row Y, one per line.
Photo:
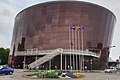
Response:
column 7, row 14
column 8, row 10
column 12, row 1
column 4, row 42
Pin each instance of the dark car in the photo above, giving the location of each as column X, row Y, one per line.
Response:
column 6, row 70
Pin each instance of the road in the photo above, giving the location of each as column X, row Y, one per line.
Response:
column 90, row 76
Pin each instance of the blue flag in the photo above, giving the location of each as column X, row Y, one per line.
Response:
column 71, row 27
column 84, row 28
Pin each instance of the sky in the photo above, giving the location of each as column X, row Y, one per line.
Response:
column 10, row 8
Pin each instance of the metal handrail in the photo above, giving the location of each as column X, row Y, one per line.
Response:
column 65, row 51
column 45, row 58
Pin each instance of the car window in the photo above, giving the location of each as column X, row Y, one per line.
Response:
column 3, row 68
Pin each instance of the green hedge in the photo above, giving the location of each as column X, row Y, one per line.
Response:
column 48, row 74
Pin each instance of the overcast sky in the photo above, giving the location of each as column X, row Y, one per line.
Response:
column 10, row 8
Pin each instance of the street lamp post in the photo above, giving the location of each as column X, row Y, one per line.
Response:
column 24, row 62
column 107, row 48
column 117, row 63
column 91, row 64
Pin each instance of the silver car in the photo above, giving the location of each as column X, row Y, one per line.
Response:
column 110, row 70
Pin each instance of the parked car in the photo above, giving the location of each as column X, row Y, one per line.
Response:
column 1, row 67
column 6, row 70
column 110, row 70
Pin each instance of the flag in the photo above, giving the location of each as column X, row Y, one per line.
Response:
column 71, row 27
column 74, row 27
column 79, row 27
column 83, row 28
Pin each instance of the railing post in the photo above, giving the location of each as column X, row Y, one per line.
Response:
column 61, row 60
column 65, row 62
column 24, row 62
column 50, row 65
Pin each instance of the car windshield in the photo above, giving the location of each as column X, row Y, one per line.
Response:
column 1, row 67
column 111, row 68
column 4, row 67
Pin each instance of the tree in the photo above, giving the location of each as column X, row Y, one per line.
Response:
column 4, row 53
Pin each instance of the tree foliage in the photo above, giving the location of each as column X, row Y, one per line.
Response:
column 4, row 54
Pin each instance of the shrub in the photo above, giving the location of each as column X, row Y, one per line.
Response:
column 47, row 74
column 51, row 75
column 44, row 74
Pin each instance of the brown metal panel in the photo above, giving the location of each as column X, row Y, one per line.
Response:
column 45, row 26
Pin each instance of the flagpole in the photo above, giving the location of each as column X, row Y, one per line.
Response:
column 73, row 48
column 79, row 50
column 70, row 44
column 82, row 49
column 80, row 56
column 76, row 48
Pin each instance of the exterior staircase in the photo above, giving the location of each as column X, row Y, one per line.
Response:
column 45, row 58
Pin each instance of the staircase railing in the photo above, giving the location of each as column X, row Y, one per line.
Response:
column 45, row 58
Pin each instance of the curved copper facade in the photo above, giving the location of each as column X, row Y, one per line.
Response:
column 46, row 26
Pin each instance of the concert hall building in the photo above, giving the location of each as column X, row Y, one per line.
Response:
column 62, row 35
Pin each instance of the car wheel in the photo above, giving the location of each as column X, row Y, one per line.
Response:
column 10, row 73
